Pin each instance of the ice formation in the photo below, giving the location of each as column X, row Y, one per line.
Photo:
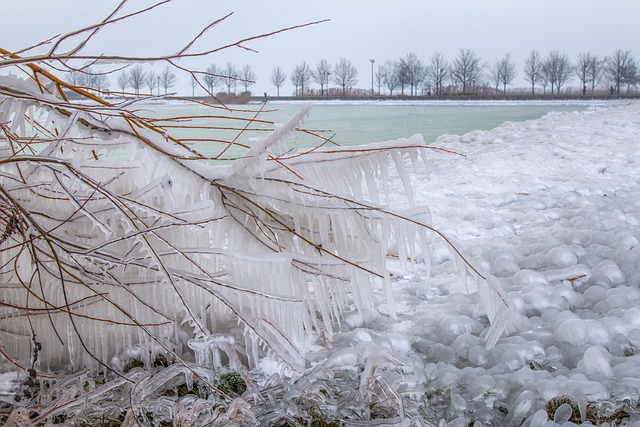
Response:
column 118, row 238
column 547, row 210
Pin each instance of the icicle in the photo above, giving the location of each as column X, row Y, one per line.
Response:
column 321, row 294
column 19, row 109
column 402, row 174
column 369, row 174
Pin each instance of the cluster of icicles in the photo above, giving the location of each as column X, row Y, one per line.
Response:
column 125, row 241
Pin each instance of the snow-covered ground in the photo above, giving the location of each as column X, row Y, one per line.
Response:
column 551, row 208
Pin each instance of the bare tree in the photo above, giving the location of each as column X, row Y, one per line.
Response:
column 565, row 70
column 136, row 78
column 248, row 77
column 403, row 78
column 596, row 71
column 466, row 69
column 391, row 76
column 413, row 70
column 151, row 80
column 123, row 81
column 533, row 69
column 90, row 79
column 212, row 78
column 585, row 70
column 507, row 71
column 345, row 74
column 493, row 73
column 100, row 82
column 194, row 84
column 229, row 77
column 278, row 77
column 78, row 78
column 557, row 69
column 167, row 79
column 87, row 78
column 622, row 68
column 379, row 78
column 544, row 80
column 437, row 71
column 321, row 74
column 301, row 77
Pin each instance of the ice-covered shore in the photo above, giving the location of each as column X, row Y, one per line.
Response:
column 551, row 208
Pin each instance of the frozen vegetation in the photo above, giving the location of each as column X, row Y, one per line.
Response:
column 340, row 308
column 488, row 279
column 123, row 246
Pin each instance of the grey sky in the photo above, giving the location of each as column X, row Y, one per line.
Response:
column 357, row 30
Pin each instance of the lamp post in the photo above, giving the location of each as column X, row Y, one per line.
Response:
column 372, row 61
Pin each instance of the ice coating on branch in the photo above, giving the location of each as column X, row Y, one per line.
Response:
column 253, row 259
column 253, row 162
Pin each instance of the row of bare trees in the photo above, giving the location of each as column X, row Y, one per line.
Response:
column 136, row 78
column 228, row 76
column 467, row 72
column 344, row 74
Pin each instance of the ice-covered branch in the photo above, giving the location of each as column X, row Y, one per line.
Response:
column 115, row 234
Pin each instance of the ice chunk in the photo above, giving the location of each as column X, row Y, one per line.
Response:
column 577, row 237
column 463, row 343
column 345, row 359
column 563, row 413
column 562, row 257
column 458, row 404
column 478, row 355
column 598, row 333
column 632, row 317
column 607, row 273
column 530, row 277
column 626, row 240
column 571, row 273
column 620, row 346
column 573, row 331
column 459, row 325
column 595, row 293
column 441, row 353
column 539, row 419
column 520, row 408
column 578, row 332
column 504, row 267
column 595, row 363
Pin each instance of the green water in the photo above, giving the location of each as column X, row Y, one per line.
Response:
column 346, row 124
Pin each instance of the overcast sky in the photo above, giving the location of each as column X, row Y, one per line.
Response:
column 358, row 30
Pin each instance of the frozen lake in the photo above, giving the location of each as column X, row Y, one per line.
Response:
column 353, row 124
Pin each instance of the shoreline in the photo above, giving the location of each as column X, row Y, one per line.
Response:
column 417, row 101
